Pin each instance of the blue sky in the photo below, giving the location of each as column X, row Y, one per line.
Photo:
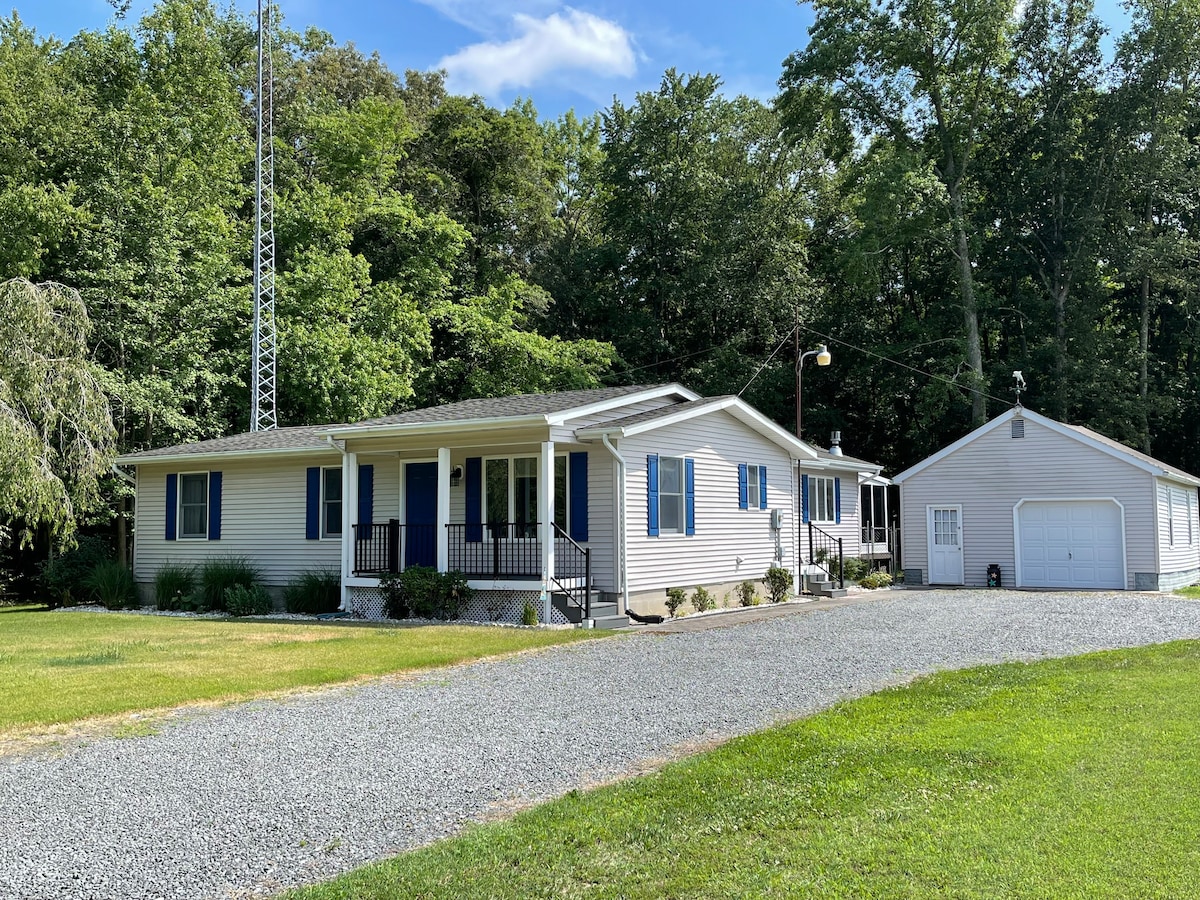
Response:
column 577, row 55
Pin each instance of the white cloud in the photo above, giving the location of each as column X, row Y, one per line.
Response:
column 570, row 41
column 484, row 15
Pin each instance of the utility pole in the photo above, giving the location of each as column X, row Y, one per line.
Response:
column 262, row 356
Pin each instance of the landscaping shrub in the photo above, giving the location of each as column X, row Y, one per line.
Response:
column 174, row 585
column 779, row 583
column 529, row 615
column 63, row 578
column 248, row 600
column 702, row 600
column 219, row 574
column 875, row 580
column 316, row 591
column 855, row 569
column 425, row 593
column 113, row 586
column 676, row 597
column 395, row 603
column 747, row 594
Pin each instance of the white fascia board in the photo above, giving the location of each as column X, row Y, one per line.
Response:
column 406, row 428
column 740, row 410
column 223, row 454
column 961, row 442
column 860, row 467
column 664, row 390
column 1180, row 479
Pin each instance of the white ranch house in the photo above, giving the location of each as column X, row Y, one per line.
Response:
column 1052, row 506
column 587, row 503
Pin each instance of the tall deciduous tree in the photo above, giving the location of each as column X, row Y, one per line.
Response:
column 924, row 73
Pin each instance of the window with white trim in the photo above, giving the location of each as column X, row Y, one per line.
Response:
column 331, row 502
column 671, row 516
column 510, row 493
column 1179, row 517
column 193, row 505
column 753, row 490
column 822, row 499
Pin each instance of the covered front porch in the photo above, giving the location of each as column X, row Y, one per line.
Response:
column 512, row 514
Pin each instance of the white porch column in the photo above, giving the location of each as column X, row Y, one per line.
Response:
column 545, row 496
column 442, row 537
column 349, row 518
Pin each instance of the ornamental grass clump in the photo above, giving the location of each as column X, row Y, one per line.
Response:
column 219, row 574
column 316, row 591
column 248, row 600
column 174, row 585
column 113, row 587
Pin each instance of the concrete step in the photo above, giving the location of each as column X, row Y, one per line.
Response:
column 610, row 622
column 833, row 592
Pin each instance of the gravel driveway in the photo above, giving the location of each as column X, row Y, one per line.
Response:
column 246, row 800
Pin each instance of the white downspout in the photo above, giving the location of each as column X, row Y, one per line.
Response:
column 622, row 547
column 347, row 527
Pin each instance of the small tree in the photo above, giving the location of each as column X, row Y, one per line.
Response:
column 56, row 432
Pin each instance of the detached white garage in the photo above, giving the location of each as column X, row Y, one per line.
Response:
column 1052, row 506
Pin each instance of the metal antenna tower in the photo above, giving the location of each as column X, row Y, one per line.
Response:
column 262, row 398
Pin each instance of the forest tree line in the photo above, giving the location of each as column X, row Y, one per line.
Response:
column 942, row 192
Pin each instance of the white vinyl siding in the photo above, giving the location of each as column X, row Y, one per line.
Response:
column 1177, row 527
column 992, row 473
column 848, row 529
column 263, row 515
column 730, row 544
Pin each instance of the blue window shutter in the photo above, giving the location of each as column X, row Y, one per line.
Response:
column 837, row 501
column 652, row 495
column 804, row 499
column 577, row 464
column 689, row 477
column 214, row 506
column 312, row 518
column 172, row 505
column 474, row 477
column 743, row 487
column 762, row 487
column 366, row 495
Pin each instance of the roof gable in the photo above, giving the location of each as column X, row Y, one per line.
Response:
column 1077, row 433
column 682, row 412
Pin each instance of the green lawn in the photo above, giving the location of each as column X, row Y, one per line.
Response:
column 1077, row 778
column 1193, row 592
column 63, row 667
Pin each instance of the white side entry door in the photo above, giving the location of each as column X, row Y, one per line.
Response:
column 945, row 545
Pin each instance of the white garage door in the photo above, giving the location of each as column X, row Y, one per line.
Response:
column 1070, row 544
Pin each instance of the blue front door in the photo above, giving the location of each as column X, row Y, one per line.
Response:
column 420, row 514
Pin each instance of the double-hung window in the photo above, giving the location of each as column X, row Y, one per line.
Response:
column 193, row 505
column 670, row 495
column 331, row 502
column 822, row 499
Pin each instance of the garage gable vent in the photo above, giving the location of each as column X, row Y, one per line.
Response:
column 1018, row 428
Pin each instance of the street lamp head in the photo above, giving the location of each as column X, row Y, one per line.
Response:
column 823, row 356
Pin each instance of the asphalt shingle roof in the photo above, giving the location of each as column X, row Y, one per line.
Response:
column 500, row 407
column 300, row 437
column 651, row 415
column 1136, row 454
column 842, row 457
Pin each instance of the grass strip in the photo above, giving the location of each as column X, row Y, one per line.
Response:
column 1074, row 778
column 67, row 667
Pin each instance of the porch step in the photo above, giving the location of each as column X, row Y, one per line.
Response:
column 826, row 589
column 609, row 622
column 569, row 608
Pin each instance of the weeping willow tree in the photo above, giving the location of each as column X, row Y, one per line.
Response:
column 56, row 432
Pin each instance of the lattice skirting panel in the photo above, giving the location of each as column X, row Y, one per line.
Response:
column 365, row 602
column 507, row 606
column 485, row 606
